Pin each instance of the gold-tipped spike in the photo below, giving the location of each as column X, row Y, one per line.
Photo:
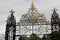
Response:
column 18, row 23
column 47, row 22
column 12, row 11
column 54, row 8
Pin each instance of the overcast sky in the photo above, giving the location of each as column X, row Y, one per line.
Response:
column 21, row 7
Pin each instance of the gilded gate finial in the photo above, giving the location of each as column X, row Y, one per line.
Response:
column 32, row 3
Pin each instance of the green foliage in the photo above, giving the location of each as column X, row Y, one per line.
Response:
column 55, row 35
column 45, row 37
column 34, row 37
column 48, row 37
column 23, row 38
